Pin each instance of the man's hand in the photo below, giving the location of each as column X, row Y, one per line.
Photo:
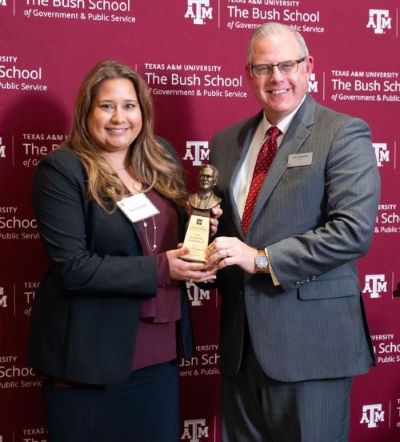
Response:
column 216, row 212
column 226, row 251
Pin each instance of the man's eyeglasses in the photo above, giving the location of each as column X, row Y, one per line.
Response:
column 285, row 67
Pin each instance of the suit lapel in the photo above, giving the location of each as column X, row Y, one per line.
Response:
column 293, row 140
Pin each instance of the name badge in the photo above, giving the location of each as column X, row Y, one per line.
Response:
column 300, row 159
column 137, row 207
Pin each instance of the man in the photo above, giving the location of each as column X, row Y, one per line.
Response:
column 293, row 329
column 205, row 198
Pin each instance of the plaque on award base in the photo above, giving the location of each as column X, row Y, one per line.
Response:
column 197, row 237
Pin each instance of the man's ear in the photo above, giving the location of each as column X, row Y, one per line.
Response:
column 309, row 64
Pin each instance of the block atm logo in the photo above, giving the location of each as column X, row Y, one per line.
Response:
column 382, row 153
column 196, row 295
column 199, row 11
column 3, row 300
column 372, row 414
column 375, row 285
column 197, row 152
column 312, row 83
column 194, row 430
column 2, row 150
column 379, row 20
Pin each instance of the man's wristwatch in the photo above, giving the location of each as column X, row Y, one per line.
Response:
column 261, row 262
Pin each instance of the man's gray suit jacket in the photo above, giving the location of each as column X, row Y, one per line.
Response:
column 315, row 220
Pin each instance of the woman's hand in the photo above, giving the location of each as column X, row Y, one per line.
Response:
column 181, row 270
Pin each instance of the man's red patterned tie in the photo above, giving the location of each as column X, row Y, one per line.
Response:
column 263, row 163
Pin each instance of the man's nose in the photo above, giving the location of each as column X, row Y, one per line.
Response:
column 275, row 74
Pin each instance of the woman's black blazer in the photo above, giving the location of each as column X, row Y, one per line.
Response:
column 85, row 315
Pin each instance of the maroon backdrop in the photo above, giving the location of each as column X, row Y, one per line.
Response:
column 192, row 54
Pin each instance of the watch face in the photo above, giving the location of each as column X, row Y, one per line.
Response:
column 262, row 263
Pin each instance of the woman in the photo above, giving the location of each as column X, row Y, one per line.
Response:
column 111, row 313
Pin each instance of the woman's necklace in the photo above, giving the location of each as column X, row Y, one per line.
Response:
column 154, row 245
column 133, row 189
column 126, row 178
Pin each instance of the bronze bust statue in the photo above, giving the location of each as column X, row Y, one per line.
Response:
column 205, row 198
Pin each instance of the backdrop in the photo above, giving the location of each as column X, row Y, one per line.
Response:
column 192, row 54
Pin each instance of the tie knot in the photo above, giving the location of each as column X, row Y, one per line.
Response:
column 273, row 132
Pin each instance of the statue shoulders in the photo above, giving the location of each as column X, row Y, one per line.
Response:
column 203, row 202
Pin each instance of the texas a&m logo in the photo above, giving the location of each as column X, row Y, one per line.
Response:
column 198, row 11
column 312, row 83
column 3, row 300
column 375, row 285
column 196, row 295
column 379, row 20
column 194, row 430
column 197, row 152
column 2, row 147
column 382, row 153
column 372, row 414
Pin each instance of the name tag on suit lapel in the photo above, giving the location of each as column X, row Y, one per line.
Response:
column 300, row 159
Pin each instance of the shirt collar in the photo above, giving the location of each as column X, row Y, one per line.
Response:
column 285, row 123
